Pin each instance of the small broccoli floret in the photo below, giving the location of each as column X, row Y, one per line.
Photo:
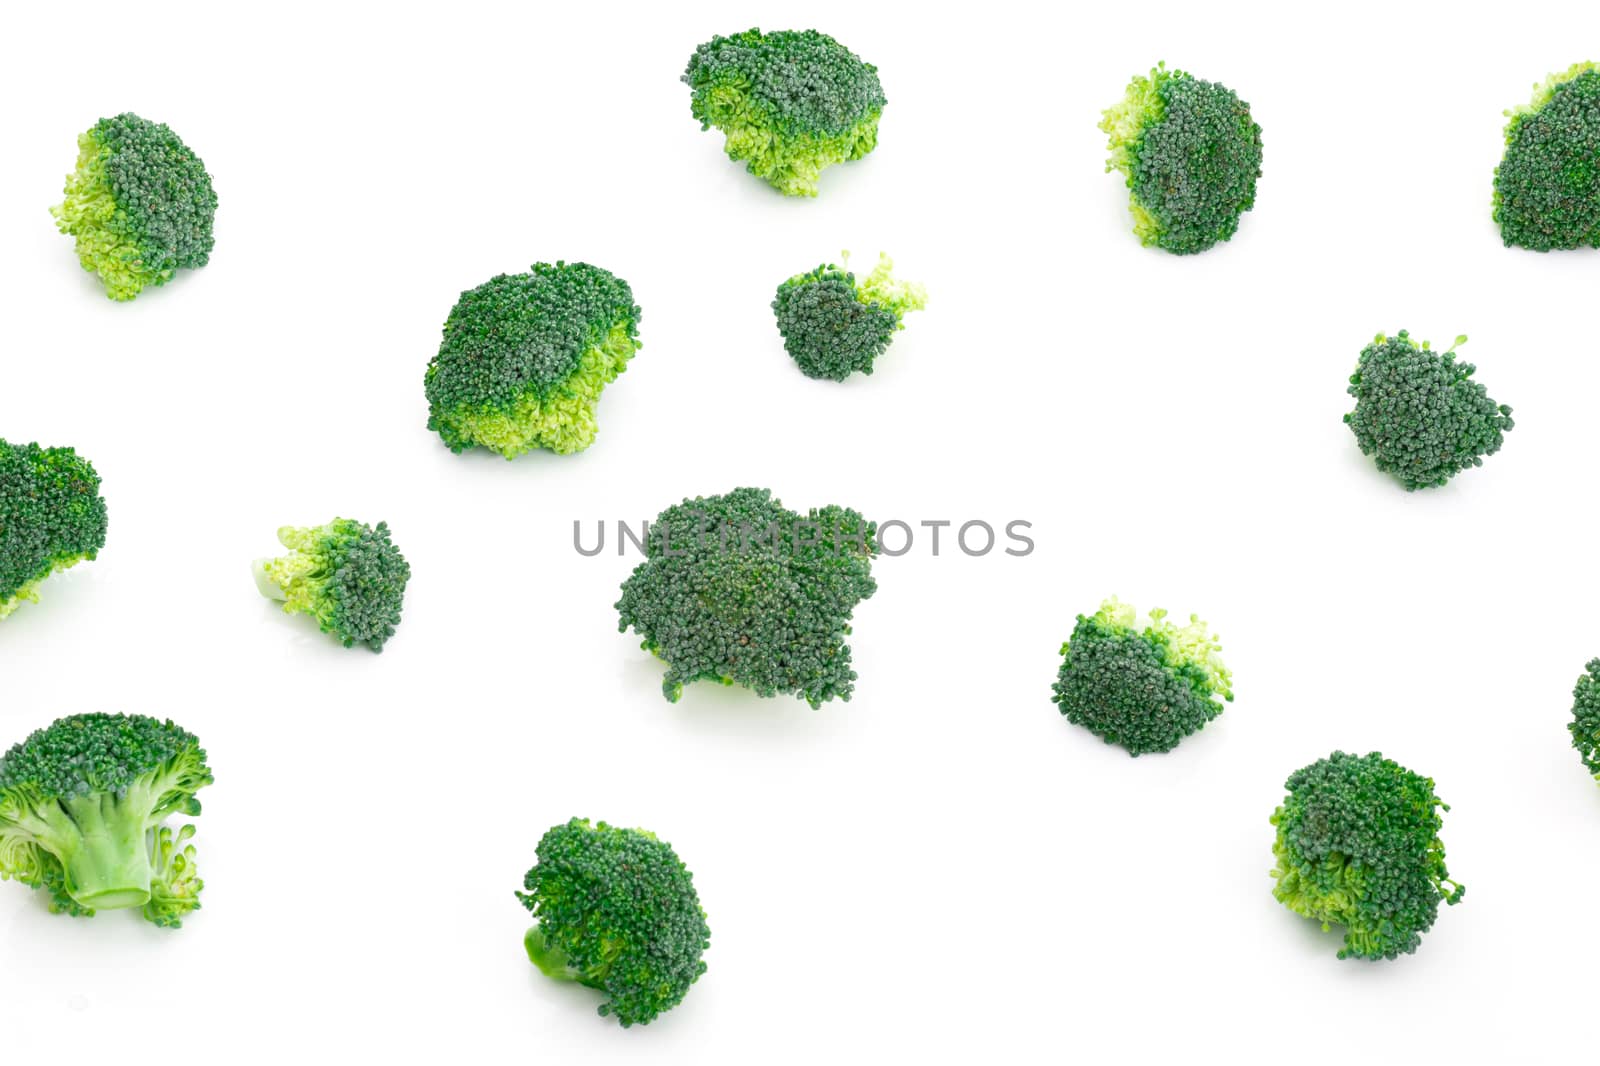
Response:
column 51, row 518
column 791, row 103
column 524, row 358
column 139, row 205
column 1143, row 687
column 1547, row 186
column 617, row 912
column 835, row 325
column 1358, row 846
column 82, row 807
column 1420, row 414
column 347, row 575
column 1585, row 724
column 740, row 589
column 1191, row 154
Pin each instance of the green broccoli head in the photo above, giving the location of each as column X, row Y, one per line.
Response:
column 740, row 589
column 139, row 205
column 51, row 518
column 347, row 575
column 82, row 807
column 1547, row 186
column 791, row 103
column 524, row 358
column 1585, row 724
column 835, row 325
column 1358, row 846
column 1145, row 687
column 1419, row 414
column 1191, row 154
column 617, row 912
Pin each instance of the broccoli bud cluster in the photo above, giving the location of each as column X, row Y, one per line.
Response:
column 347, row 575
column 1143, row 687
column 51, row 518
column 1191, row 155
column 834, row 324
column 790, row 103
column 1419, row 414
column 739, row 589
column 1547, row 186
column 618, row 912
column 1358, row 846
column 139, row 205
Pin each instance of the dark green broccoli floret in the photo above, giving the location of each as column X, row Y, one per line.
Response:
column 834, row 324
column 82, row 804
column 1547, row 186
column 347, row 575
column 524, row 358
column 1585, row 724
column 739, row 589
column 617, row 912
column 791, row 103
column 51, row 518
column 1358, row 846
column 139, row 204
column 1191, row 154
column 1143, row 687
column 1420, row 414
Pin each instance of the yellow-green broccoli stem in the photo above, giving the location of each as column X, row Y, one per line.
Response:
column 101, row 234
column 792, row 164
column 562, row 421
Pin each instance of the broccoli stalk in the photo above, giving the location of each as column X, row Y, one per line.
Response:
column 82, row 804
column 347, row 575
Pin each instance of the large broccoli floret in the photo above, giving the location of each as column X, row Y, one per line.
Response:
column 617, row 912
column 835, row 325
column 1143, row 687
column 1585, row 724
column 82, row 807
column 1547, row 186
column 139, row 204
column 347, row 575
column 740, row 589
column 524, row 358
column 1358, row 846
column 1191, row 154
column 51, row 518
column 1420, row 414
column 791, row 103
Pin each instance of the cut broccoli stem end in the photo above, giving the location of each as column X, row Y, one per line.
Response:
column 261, row 570
column 553, row 962
column 107, row 860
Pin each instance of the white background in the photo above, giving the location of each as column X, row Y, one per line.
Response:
column 942, row 868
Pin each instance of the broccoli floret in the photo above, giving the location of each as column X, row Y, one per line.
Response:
column 1143, row 687
column 1585, row 724
column 139, row 205
column 524, row 358
column 1191, row 154
column 791, row 103
column 1547, row 186
column 617, row 912
column 1420, row 414
column 51, row 518
column 1358, row 846
column 347, row 575
column 739, row 589
column 834, row 325
column 82, row 807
